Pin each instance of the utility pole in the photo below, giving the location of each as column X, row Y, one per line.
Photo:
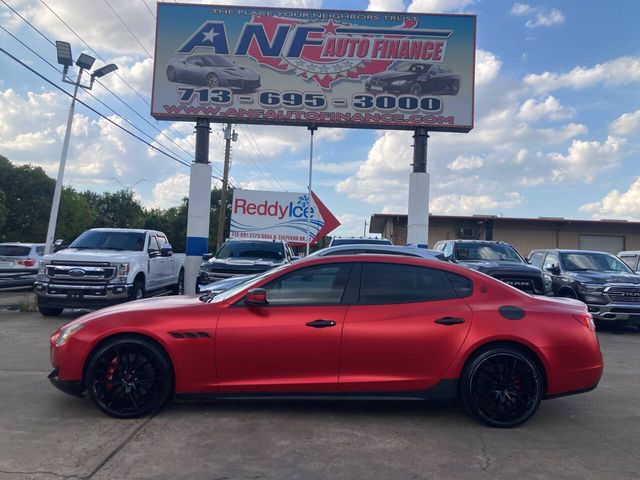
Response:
column 229, row 136
column 364, row 232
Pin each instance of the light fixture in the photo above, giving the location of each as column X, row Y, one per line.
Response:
column 85, row 61
column 102, row 71
column 64, row 53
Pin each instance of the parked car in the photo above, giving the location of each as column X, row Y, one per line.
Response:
column 631, row 258
column 243, row 257
column 222, row 285
column 497, row 259
column 605, row 283
column 19, row 263
column 104, row 266
column 347, row 326
column 212, row 71
column 416, row 79
column 363, row 249
column 335, row 241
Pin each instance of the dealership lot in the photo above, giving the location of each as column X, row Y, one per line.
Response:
column 45, row 434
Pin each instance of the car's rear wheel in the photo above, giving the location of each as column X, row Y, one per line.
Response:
column 50, row 311
column 454, row 86
column 416, row 89
column 171, row 74
column 213, row 81
column 129, row 377
column 502, row 387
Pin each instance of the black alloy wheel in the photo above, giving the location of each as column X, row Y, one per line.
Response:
column 454, row 87
column 416, row 90
column 502, row 387
column 129, row 378
column 137, row 291
column 171, row 74
column 213, row 81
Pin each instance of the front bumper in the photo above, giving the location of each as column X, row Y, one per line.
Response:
column 72, row 387
column 616, row 312
column 81, row 296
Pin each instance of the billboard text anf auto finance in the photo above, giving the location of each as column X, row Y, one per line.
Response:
column 323, row 67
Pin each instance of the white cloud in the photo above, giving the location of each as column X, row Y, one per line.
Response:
column 465, row 163
column 170, row 192
column 614, row 204
column 386, row 5
column 541, row 17
column 469, row 204
column 620, row 71
column 550, row 108
column 487, row 67
column 626, row 123
column 585, row 160
column 438, row 6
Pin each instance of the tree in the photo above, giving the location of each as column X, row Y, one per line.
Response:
column 75, row 215
column 3, row 212
column 115, row 210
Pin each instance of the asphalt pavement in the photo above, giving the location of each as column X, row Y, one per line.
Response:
column 45, row 434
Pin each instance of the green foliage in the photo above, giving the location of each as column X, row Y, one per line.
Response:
column 25, row 203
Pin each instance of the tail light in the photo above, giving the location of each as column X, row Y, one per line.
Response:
column 585, row 320
column 27, row 262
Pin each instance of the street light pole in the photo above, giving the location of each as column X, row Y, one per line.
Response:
column 85, row 62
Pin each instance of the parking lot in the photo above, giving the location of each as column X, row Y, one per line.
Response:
column 45, row 434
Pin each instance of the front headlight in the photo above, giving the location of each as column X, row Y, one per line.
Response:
column 66, row 333
column 591, row 288
column 42, row 266
column 123, row 269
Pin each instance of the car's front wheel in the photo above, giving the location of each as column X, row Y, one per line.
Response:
column 502, row 387
column 213, row 81
column 454, row 87
column 416, row 89
column 171, row 74
column 129, row 377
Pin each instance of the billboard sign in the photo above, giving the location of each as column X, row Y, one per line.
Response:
column 264, row 215
column 314, row 67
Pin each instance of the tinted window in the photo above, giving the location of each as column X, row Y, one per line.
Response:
column 631, row 260
column 359, row 241
column 486, row 251
column 537, row 259
column 600, row 262
column 389, row 283
column 162, row 240
column 153, row 244
column 321, row 285
column 40, row 251
column 98, row 240
column 551, row 261
column 268, row 250
column 215, row 61
column 462, row 285
column 14, row 251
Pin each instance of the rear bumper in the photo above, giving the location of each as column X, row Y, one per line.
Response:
column 71, row 387
column 17, row 278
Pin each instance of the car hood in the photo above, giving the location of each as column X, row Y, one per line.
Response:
column 239, row 262
column 602, row 278
column 497, row 266
column 83, row 255
column 393, row 75
column 241, row 72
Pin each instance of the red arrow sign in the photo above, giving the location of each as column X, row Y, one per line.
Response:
column 330, row 221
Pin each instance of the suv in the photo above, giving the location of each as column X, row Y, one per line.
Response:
column 19, row 263
column 244, row 257
column 496, row 259
column 605, row 283
column 335, row 241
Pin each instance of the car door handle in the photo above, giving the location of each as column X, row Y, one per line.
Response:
column 450, row 320
column 321, row 324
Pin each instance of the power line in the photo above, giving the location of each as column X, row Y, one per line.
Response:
column 50, row 82
column 128, row 29
column 260, row 155
column 149, row 9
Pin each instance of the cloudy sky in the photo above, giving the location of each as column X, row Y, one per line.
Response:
column 557, row 126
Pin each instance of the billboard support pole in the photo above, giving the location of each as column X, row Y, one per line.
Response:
column 418, row 218
column 199, row 211
column 311, row 128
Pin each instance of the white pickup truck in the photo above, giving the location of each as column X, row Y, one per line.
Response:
column 105, row 266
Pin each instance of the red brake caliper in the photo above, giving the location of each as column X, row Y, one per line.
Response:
column 111, row 371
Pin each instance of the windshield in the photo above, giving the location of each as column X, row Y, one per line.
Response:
column 486, row 251
column 359, row 241
column 101, row 240
column 600, row 262
column 215, row 61
column 232, row 291
column 268, row 250
column 412, row 67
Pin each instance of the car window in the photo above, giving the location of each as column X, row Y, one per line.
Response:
column 390, row 283
column 486, row 251
column 14, row 251
column 631, row 260
column 40, row 251
column 109, row 240
column 550, row 261
column 162, row 240
column 153, row 243
column 194, row 60
column 448, row 249
column 537, row 259
column 600, row 262
column 255, row 250
column 320, row 285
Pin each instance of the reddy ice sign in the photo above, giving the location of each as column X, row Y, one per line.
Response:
column 322, row 67
column 279, row 216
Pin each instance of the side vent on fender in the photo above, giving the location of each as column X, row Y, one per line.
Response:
column 186, row 335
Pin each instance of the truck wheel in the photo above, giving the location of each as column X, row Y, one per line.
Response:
column 178, row 288
column 137, row 291
column 50, row 311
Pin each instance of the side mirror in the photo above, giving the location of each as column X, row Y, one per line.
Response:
column 166, row 250
column 257, row 297
column 207, row 256
column 554, row 269
column 58, row 245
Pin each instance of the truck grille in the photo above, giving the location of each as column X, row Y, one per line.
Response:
column 524, row 284
column 80, row 273
column 624, row 294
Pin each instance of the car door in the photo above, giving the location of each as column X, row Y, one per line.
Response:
column 154, row 271
column 404, row 332
column 166, row 265
column 550, row 272
column 291, row 344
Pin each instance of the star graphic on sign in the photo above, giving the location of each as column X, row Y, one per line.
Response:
column 329, row 27
column 208, row 36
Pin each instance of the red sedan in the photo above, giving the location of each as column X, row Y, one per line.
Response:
column 352, row 327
